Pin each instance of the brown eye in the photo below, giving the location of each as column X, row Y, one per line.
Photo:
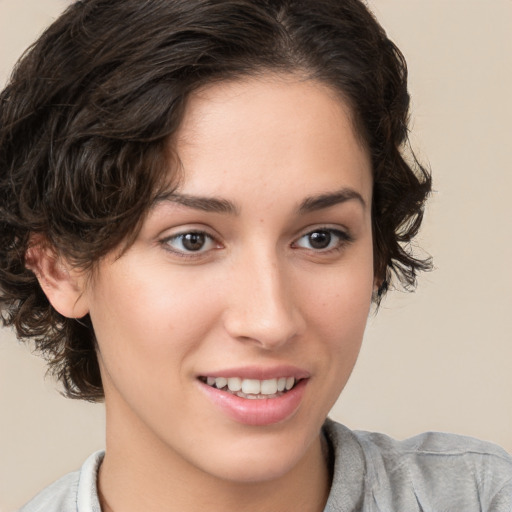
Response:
column 193, row 241
column 323, row 240
column 190, row 242
column 319, row 239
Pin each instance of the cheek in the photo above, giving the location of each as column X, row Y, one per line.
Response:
column 337, row 306
column 149, row 316
column 338, row 300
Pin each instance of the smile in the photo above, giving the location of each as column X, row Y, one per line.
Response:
column 256, row 396
column 251, row 388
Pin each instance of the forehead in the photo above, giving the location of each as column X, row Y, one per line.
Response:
column 271, row 129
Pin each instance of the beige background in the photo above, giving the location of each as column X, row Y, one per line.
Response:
column 438, row 359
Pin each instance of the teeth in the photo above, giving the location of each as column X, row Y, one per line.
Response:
column 269, row 387
column 255, row 397
column 251, row 388
column 220, row 382
column 234, row 384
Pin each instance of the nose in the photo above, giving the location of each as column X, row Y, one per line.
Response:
column 262, row 306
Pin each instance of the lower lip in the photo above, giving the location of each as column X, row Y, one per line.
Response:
column 257, row 412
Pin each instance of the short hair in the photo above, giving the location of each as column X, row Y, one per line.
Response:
column 87, row 115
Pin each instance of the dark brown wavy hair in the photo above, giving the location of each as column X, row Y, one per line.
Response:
column 86, row 118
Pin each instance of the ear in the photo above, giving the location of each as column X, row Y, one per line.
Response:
column 62, row 284
column 380, row 287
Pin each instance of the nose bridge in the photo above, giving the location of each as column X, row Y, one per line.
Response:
column 262, row 306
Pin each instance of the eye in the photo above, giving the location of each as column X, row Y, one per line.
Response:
column 190, row 242
column 323, row 239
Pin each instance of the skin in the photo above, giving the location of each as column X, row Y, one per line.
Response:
column 257, row 294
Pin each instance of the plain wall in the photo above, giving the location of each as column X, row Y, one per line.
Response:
column 438, row 359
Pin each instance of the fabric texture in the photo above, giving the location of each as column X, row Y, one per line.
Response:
column 431, row 472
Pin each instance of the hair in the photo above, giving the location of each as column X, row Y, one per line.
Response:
column 87, row 115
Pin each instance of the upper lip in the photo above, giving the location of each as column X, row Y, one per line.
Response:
column 260, row 372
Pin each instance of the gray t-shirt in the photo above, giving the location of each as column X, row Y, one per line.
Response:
column 431, row 472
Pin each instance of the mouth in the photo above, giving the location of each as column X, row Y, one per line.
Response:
column 256, row 396
column 252, row 389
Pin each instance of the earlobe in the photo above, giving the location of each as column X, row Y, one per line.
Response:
column 62, row 284
column 380, row 286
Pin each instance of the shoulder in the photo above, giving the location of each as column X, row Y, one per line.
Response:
column 436, row 454
column 431, row 471
column 57, row 497
column 74, row 491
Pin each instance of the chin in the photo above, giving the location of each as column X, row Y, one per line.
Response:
column 254, row 470
column 260, row 460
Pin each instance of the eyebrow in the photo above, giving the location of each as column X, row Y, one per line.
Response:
column 206, row 204
column 218, row 205
column 314, row 203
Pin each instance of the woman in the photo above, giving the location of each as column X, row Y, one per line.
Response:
column 200, row 201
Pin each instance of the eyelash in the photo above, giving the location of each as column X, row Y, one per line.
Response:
column 343, row 238
column 184, row 253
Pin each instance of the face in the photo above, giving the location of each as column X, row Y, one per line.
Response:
column 253, row 277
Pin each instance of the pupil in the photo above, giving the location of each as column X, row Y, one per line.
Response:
column 320, row 239
column 193, row 241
